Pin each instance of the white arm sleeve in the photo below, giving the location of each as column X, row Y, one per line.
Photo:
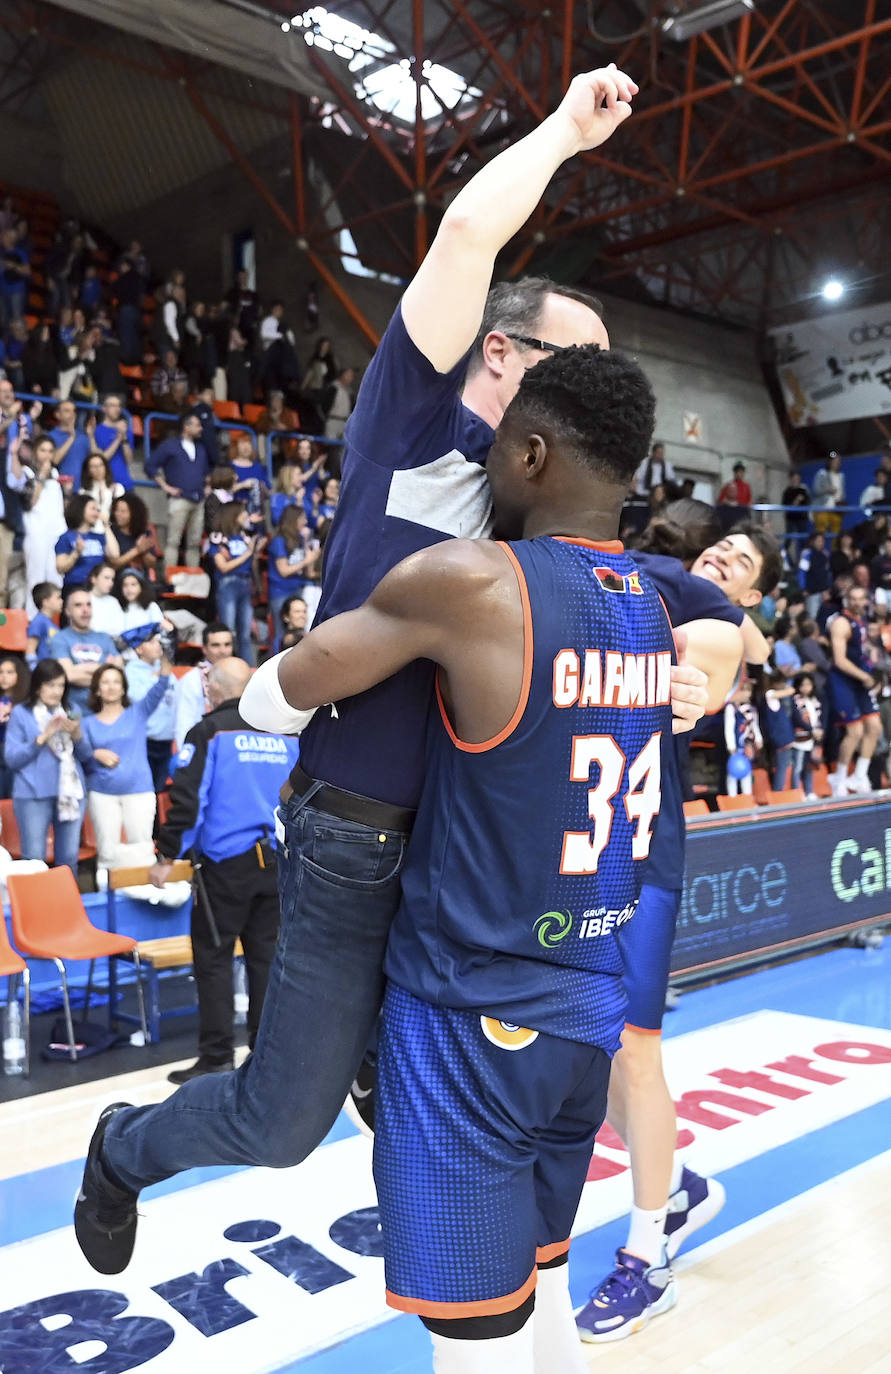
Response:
column 264, row 705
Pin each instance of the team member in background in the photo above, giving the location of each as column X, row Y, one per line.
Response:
column 670, row 1200
column 222, row 802
column 850, row 700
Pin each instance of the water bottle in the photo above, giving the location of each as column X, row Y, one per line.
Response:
column 13, row 1039
column 241, row 993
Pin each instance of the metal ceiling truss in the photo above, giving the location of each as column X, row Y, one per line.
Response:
column 757, row 152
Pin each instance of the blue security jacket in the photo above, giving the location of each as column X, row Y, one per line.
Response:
column 225, row 788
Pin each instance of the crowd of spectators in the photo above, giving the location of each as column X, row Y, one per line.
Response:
column 90, row 710
column 787, row 721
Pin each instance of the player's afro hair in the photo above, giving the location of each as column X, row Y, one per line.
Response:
column 597, row 403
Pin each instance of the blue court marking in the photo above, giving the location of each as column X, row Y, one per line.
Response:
column 33, row 1203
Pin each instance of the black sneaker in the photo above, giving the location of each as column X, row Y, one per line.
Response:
column 104, row 1213
column 198, row 1069
column 359, row 1106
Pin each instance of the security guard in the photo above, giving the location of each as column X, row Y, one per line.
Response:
column 224, row 793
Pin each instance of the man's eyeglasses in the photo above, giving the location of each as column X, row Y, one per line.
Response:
column 541, row 344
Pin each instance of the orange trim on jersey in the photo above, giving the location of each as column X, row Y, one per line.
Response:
column 517, row 716
column 545, row 1253
column 488, row 1307
column 608, row 546
column 642, row 1030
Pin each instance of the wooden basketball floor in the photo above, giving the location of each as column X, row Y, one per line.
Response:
column 784, row 1077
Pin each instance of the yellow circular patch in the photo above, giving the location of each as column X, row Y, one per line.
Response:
column 508, row 1037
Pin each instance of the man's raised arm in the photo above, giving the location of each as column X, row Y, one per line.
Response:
column 443, row 306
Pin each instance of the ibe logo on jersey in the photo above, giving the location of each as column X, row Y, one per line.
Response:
column 553, row 927
column 506, row 1035
column 612, row 581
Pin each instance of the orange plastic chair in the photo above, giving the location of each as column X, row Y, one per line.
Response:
column 760, row 786
column 227, row 410
column 11, row 965
column 252, row 413
column 786, row 797
column 132, row 370
column 738, row 803
column 695, row 808
column 49, row 921
column 13, row 631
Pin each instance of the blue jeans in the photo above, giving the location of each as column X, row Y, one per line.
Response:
column 35, row 815
column 781, row 761
column 235, row 610
column 339, row 891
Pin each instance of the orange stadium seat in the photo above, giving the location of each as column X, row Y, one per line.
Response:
column 696, row 808
column 820, row 781
column 253, row 413
column 760, row 785
column 227, row 410
column 786, row 797
column 738, row 803
column 13, row 631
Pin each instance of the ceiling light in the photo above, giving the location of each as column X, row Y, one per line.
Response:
column 701, row 18
column 286, row 27
column 834, row 289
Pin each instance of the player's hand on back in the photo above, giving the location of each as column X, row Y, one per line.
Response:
column 689, row 690
column 597, row 103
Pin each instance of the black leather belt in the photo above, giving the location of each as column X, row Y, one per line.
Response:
column 348, row 806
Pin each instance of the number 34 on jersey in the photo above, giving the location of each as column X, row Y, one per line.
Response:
column 615, row 680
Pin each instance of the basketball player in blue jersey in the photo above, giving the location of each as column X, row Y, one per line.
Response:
column 542, row 789
column 670, row 1200
column 850, row 701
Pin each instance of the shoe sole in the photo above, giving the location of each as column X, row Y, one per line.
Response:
column 620, row 1333
column 698, row 1216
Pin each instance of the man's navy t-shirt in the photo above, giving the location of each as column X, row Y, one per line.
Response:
column 412, row 476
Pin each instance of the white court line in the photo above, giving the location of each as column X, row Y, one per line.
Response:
column 751, row 1227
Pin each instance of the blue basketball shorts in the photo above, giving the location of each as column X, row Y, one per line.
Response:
column 849, row 700
column 645, row 942
column 483, row 1137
